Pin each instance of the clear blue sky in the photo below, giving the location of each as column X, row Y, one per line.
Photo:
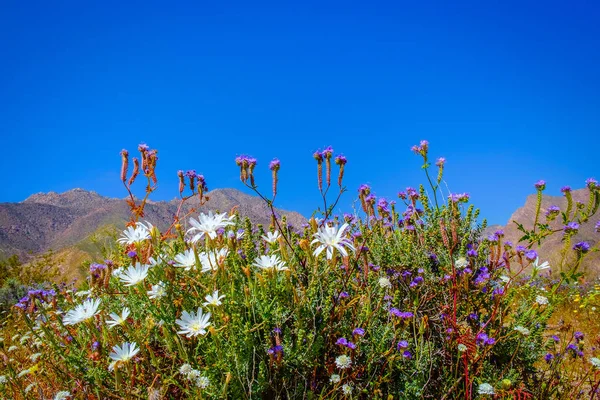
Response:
column 507, row 91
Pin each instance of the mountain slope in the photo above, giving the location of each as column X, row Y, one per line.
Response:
column 59, row 220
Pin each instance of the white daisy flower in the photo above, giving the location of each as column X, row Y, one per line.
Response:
column 118, row 319
column 486, row 388
column 134, row 275
column 270, row 262
column 193, row 324
column 335, row 378
column 210, row 261
column 462, row 348
column 595, row 362
column 186, row 260
column 522, row 330
column 117, row 272
column 82, row 312
column 461, row 262
column 541, row 300
column 185, row 369
column 213, row 299
column 208, row 224
column 202, row 382
column 271, row 237
column 158, row 291
column 539, row 267
column 135, row 235
column 347, row 389
column 122, row 354
column 330, row 238
column 343, row 361
column 385, row 283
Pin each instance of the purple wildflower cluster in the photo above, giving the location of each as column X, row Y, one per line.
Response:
column 459, row 197
column 571, row 228
column 483, row 339
column 401, row 314
column 421, row 149
column 42, row 295
column 345, row 342
column 582, row 247
column 540, row 185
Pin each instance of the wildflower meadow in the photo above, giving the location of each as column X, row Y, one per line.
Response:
column 404, row 299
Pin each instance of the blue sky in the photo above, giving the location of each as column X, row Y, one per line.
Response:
column 508, row 92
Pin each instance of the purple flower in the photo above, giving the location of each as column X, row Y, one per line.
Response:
column 401, row 314
column 472, row 253
column 548, row 357
column 565, row 189
column 531, row 255
column 132, row 254
column 578, row 336
column 328, row 152
column 94, row 268
column 582, row 247
column 591, row 183
column 341, row 160
column 597, row 227
column 143, row 147
column 403, row 344
column 277, row 330
column 341, row 341
column 520, row 249
column 407, row 354
column 275, row 164
column 364, row 189
column 552, row 211
column 317, row 155
column 95, row 345
column 440, row 162
column 358, row 332
column 555, row 338
column 540, row 185
column 571, row 227
column 473, row 316
column 343, row 295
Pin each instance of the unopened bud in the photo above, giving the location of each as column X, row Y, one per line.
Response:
column 124, row 164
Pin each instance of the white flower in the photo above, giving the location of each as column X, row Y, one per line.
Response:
column 12, row 348
column 595, row 362
column 271, row 237
column 193, row 324
column 213, row 299
column 34, row 357
column 504, row 278
column 202, row 382
column 486, row 388
column 343, row 361
column 62, row 395
column 208, row 225
column 117, row 272
column 118, row 319
column 84, row 293
column 541, row 300
column 537, row 267
column 385, row 283
column 157, row 291
column 153, row 262
column 122, row 354
column 3, row 379
column 134, row 275
column 461, row 262
column 135, row 235
column 186, row 260
column 185, row 369
column 82, row 312
column 334, row 378
column 210, row 261
column 462, row 348
column 330, row 238
column 522, row 330
column 347, row 389
column 30, row 387
column 270, row 262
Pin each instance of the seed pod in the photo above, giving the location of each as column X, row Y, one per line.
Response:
column 136, row 170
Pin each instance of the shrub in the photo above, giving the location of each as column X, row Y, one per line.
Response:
column 409, row 303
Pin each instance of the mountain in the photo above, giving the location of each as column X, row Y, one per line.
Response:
column 61, row 220
column 550, row 250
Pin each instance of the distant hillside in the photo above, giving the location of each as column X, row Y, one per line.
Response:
column 61, row 220
column 550, row 248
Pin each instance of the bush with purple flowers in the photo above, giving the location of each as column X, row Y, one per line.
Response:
column 404, row 299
